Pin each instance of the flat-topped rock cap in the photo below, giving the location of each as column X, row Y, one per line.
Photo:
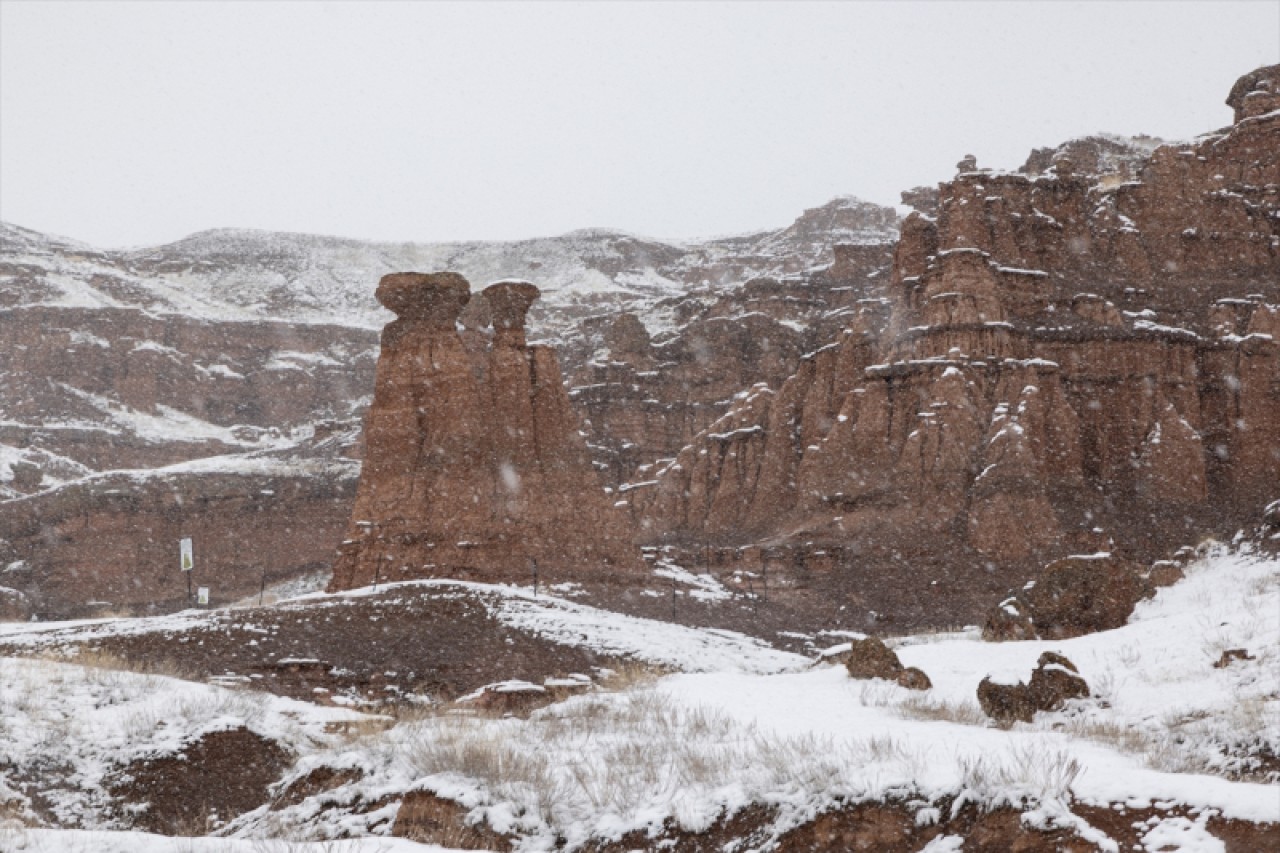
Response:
column 437, row 298
column 509, row 302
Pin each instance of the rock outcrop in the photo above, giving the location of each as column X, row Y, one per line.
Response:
column 109, row 545
column 1072, row 360
column 474, row 467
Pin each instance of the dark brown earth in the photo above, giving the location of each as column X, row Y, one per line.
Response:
column 434, row 642
column 880, row 827
column 195, row 790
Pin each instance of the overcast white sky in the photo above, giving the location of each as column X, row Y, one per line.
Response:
column 139, row 123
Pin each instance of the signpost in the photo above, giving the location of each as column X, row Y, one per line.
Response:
column 186, row 561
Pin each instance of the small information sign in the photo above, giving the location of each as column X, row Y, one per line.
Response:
column 202, row 596
column 188, row 561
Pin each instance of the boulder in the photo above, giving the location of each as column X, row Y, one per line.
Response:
column 1054, row 681
column 1230, row 656
column 914, row 678
column 508, row 698
column 871, row 658
column 1073, row 596
column 1164, row 573
column 1005, row 703
column 1007, row 621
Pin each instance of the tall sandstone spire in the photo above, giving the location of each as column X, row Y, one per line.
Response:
column 474, row 468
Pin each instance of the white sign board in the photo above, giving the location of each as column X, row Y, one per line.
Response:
column 188, row 562
column 202, row 596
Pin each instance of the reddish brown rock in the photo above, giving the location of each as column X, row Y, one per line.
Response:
column 914, row 678
column 1073, row 596
column 1053, row 682
column 871, row 658
column 1006, row 703
column 1081, row 595
column 1008, row 621
column 474, row 467
column 1171, row 461
column 1230, row 656
column 1081, row 353
column 1164, row 573
column 1256, row 93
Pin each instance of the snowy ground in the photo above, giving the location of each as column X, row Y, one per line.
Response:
column 90, row 841
column 745, row 724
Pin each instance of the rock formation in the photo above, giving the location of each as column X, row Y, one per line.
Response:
column 1071, row 360
column 1054, row 680
column 231, row 344
column 1256, row 93
column 473, row 467
column 1074, row 596
column 871, row 658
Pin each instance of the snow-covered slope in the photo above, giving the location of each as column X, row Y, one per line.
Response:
column 231, row 274
column 1165, row 731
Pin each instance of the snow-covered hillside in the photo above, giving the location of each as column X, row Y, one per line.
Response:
column 242, row 275
column 1184, row 746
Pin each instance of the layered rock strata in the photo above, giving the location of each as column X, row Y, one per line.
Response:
column 474, row 467
column 645, row 396
column 1070, row 362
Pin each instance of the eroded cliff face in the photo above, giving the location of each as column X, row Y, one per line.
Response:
column 474, row 467
column 1071, row 361
column 645, row 391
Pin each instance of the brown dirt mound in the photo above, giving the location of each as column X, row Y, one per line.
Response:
column 441, row 641
column 211, row 780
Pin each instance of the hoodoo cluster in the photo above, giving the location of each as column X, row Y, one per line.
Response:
column 474, row 465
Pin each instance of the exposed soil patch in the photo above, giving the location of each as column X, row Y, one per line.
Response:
column 882, row 827
column 318, row 781
column 440, row 642
column 211, row 780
